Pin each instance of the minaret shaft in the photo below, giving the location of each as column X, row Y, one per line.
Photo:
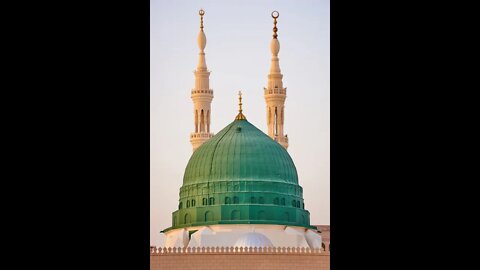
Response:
column 275, row 94
column 202, row 95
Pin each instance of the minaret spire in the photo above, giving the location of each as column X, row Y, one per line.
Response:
column 202, row 95
column 275, row 94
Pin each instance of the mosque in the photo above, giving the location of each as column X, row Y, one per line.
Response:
column 240, row 186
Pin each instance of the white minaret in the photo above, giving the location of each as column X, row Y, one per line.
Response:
column 274, row 93
column 202, row 95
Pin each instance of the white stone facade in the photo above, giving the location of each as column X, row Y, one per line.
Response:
column 232, row 235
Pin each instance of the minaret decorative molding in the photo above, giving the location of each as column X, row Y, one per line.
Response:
column 202, row 95
column 275, row 94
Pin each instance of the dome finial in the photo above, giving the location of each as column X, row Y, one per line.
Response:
column 240, row 115
column 201, row 12
column 275, row 15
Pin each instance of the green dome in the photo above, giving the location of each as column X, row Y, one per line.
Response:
column 240, row 152
column 240, row 176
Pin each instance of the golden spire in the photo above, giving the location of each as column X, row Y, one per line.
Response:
column 240, row 115
column 275, row 15
column 201, row 13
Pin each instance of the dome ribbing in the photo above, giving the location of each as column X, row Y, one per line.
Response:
column 240, row 176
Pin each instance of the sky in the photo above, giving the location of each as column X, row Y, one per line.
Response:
column 238, row 56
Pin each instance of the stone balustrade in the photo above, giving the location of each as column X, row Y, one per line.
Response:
column 195, row 91
column 154, row 251
column 275, row 91
column 201, row 135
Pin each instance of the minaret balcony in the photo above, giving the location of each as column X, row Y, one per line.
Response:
column 199, row 91
column 275, row 91
column 203, row 135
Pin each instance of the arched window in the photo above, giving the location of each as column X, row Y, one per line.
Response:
column 282, row 201
column 275, row 122
column 269, row 115
column 211, row 201
column 204, row 201
column 294, row 203
column 180, row 205
column 208, row 121
column 208, row 216
column 235, row 200
column 252, row 200
column 260, row 200
column 193, row 203
column 188, row 203
column 275, row 201
column 298, row 204
column 186, row 219
column 202, row 121
column 303, row 205
column 227, row 200
column 196, row 120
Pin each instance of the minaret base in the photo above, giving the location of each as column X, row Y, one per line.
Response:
column 283, row 141
column 198, row 138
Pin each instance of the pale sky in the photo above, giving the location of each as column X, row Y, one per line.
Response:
column 238, row 56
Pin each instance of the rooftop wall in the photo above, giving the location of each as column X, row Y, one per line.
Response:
column 238, row 258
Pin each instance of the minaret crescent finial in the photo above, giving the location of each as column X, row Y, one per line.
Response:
column 275, row 15
column 240, row 115
column 201, row 12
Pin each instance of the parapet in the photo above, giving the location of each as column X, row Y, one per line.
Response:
column 154, row 251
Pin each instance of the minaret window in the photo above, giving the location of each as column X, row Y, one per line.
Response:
column 196, row 120
column 235, row 200
column 208, row 216
column 275, row 122
column 208, row 121
column 193, row 203
column 269, row 115
column 202, row 122
column 188, row 204
column 180, row 205
column 211, row 201
column 227, row 200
